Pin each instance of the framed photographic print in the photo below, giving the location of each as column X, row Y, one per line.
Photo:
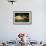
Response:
column 22, row 17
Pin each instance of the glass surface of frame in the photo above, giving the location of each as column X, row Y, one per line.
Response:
column 22, row 17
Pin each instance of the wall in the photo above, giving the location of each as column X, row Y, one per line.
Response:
column 37, row 30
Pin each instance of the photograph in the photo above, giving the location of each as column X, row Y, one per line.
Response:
column 22, row 17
